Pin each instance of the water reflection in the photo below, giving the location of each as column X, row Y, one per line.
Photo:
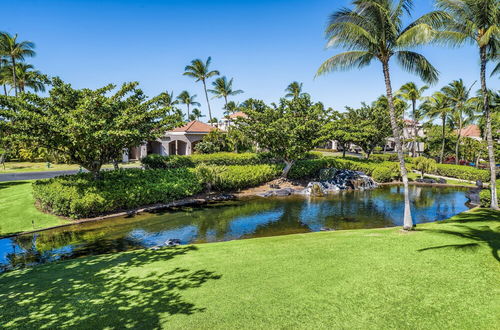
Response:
column 256, row 217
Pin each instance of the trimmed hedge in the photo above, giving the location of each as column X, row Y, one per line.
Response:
column 387, row 173
column 222, row 158
column 462, row 172
column 79, row 196
column 236, row 177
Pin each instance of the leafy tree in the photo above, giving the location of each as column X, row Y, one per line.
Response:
column 463, row 109
column 15, row 51
column 438, row 143
column 91, row 127
column 424, row 165
column 215, row 141
column 374, row 30
column 438, row 105
column 189, row 100
column 200, row 71
column 477, row 22
column 371, row 128
column 340, row 128
column 473, row 150
column 223, row 88
column 412, row 93
column 196, row 115
column 288, row 130
column 294, row 90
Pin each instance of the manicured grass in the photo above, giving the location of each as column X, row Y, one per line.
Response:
column 17, row 167
column 18, row 212
column 442, row 276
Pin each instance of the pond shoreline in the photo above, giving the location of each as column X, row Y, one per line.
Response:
column 207, row 198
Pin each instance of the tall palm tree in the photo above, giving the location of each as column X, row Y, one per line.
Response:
column 199, row 71
column 477, row 22
column 438, row 106
column 373, row 30
column 5, row 72
column 188, row 99
column 224, row 88
column 15, row 51
column 294, row 90
column 463, row 108
column 412, row 93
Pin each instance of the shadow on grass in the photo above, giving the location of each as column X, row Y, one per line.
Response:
column 7, row 184
column 124, row 290
column 482, row 235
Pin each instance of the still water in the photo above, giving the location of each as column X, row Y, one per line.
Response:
column 246, row 218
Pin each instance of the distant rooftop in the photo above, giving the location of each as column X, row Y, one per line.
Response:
column 238, row 114
column 471, row 131
column 194, row 126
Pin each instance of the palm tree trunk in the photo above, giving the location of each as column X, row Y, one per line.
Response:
column 188, row 111
column 489, row 137
column 443, row 136
column 414, row 115
column 457, row 145
column 208, row 102
column 225, row 100
column 14, row 75
column 407, row 220
column 5, row 89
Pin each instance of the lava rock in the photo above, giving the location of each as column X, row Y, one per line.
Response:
column 426, row 181
column 442, row 181
column 274, row 186
column 479, row 184
column 473, row 196
column 280, row 192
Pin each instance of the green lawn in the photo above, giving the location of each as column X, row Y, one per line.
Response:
column 443, row 276
column 17, row 167
column 18, row 212
column 414, row 176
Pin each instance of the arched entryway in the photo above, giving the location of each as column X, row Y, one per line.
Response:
column 177, row 147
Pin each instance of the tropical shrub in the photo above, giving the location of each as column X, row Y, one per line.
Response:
column 485, row 197
column 155, row 161
column 384, row 157
column 236, row 177
column 387, row 172
column 79, row 196
column 462, row 172
column 424, row 165
column 310, row 168
column 220, row 158
column 215, row 141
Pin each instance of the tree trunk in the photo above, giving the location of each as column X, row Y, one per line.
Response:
column 5, row 89
column 208, row 102
column 288, row 166
column 14, row 75
column 188, row 111
column 457, row 145
column 414, row 115
column 443, row 136
column 407, row 220
column 225, row 100
column 343, row 150
column 489, row 137
column 115, row 164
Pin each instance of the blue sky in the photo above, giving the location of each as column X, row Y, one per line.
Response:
column 264, row 45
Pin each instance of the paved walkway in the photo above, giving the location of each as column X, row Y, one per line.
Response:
column 33, row 175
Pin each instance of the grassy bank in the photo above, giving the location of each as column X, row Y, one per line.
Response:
column 18, row 212
column 19, row 167
column 445, row 275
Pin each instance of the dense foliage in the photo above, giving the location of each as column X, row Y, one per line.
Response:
column 221, row 158
column 79, row 196
column 485, row 197
column 424, row 165
column 462, row 172
column 90, row 127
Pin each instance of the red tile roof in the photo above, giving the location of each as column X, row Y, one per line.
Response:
column 194, row 127
column 238, row 115
column 471, row 131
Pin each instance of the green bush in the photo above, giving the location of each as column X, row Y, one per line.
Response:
column 462, row 172
column 236, row 177
column 221, row 158
column 79, row 196
column 485, row 197
column 424, row 165
column 387, row 172
column 384, row 157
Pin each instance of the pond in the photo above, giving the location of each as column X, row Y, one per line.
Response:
column 245, row 218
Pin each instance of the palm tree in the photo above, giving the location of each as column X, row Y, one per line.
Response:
column 196, row 114
column 5, row 72
column 438, row 105
column 188, row 99
column 231, row 107
column 463, row 108
column 373, row 30
column 294, row 90
column 200, row 72
column 27, row 77
column 15, row 51
column 224, row 88
column 411, row 92
column 477, row 22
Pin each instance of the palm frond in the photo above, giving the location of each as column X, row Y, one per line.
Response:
column 418, row 64
column 346, row 61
